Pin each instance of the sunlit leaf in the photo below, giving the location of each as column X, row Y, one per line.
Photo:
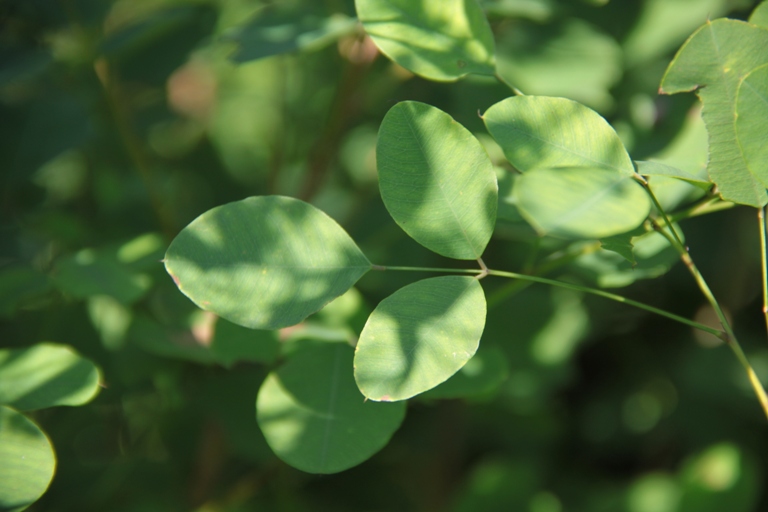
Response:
column 437, row 40
column 46, row 375
column 752, row 121
column 419, row 336
column 538, row 131
column 436, row 180
column 581, row 202
column 27, row 461
column 314, row 417
column 713, row 61
column 264, row 262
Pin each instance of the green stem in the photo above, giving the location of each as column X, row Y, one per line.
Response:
column 658, row 207
column 561, row 284
column 608, row 295
column 730, row 338
column 764, row 262
column 514, row 89
column 475, row 271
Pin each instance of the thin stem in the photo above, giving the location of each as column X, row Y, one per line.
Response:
column 514, row 89
column 483, row 269
column 730, row 338
column 658, row 207
column 764, row 262
column 611, row 296
column 475, row 271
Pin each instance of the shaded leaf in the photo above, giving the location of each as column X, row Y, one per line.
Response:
column 581, row 202
column 264, row 262
column 622, row 245
column 90, row 272
column 482, row 374
column 277, row 32
column 419, row 336
column 436, row 40
column 314, row 417
column 539, row 131
column 713, row 60
column 19, row 284
column 27, row 461
column 46, row 375
column 653, row 257
column 550, row 60
column 436, row 180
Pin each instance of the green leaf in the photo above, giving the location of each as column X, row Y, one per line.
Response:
column 278, row 32
column 653, row 257
column 581, row 202
column 436, row 180
column 759, row 16
column 46, row 375
column 622, row 245
column 482, row 374
column 651, row 168
column 19, row 284
column 550, row 60
column 538, row 131
column 314, row 417
column 264, row 262
column 436, row 40
column 419, row 336
column 752, row 121
column 27, row 461
column 91, row 272
column 713, row 61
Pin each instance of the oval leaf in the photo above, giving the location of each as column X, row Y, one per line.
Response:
column 713, row 61
column 436, row 40
column 539, row 131
column 482, row 375
column 264, row 262
column 419, row 336
column 436, row 180
column 46, row 375
column 27, row 461
column 752, row 121
column 581, row 202
column 314, row 417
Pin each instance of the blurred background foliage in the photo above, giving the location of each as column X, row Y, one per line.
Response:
column 121, row 121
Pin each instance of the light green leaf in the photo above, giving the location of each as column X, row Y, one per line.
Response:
column 314, row 417
column 436, row 180
column 436, row 40
column 538, row 131
column 650, row 168
column 419, row 336
column 27, row 461
column 46, row 375
column 752, row 121
column 759, row 16
column 264, row 262
column 482, row 374
column 713, row 61
column 581, row 202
